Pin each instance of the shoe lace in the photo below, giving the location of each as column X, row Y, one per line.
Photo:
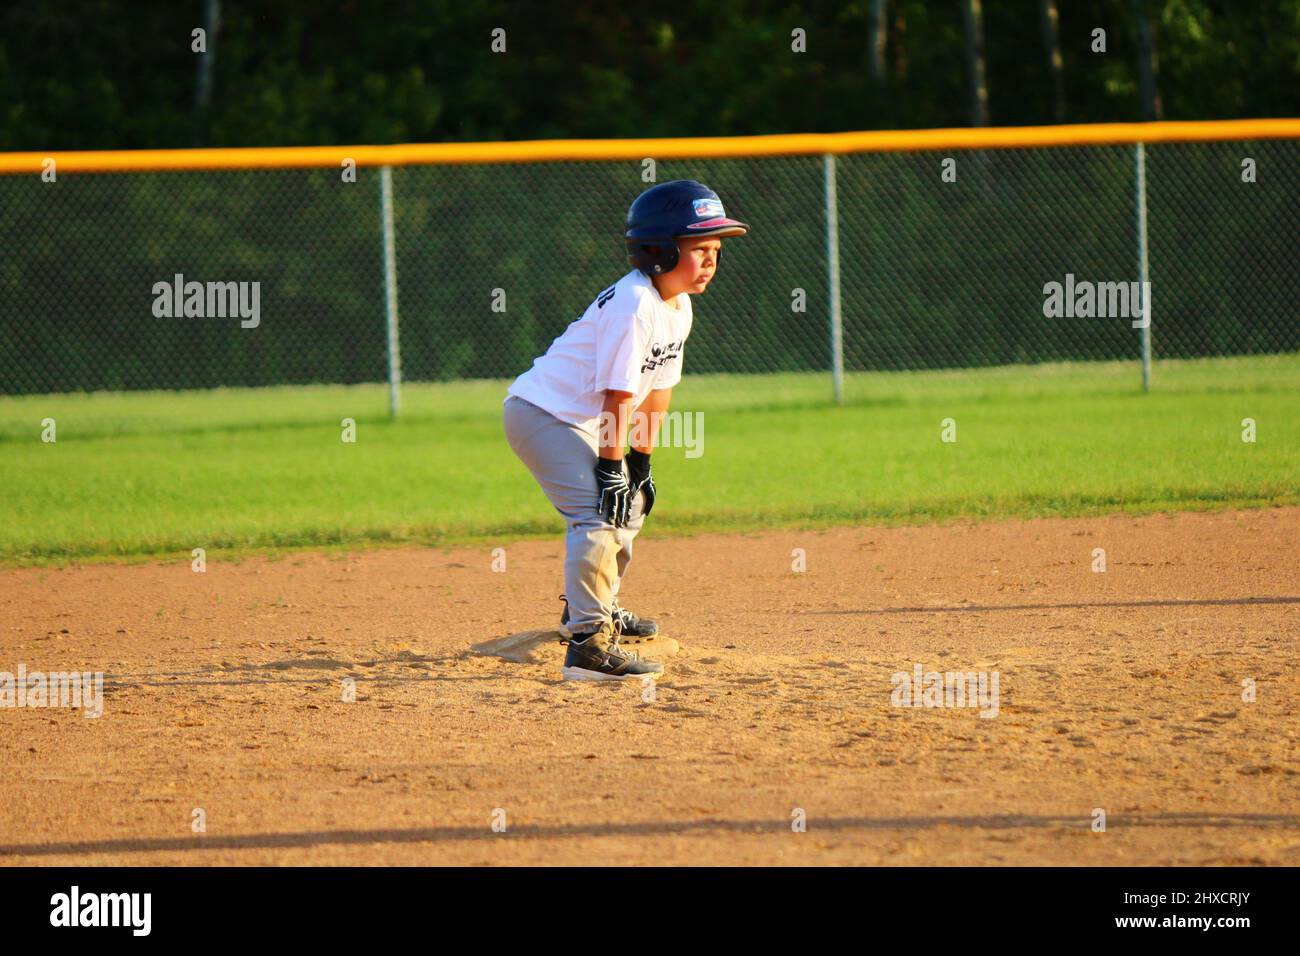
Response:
column 615, row 645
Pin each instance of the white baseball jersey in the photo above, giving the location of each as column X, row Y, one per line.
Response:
column 629, row 340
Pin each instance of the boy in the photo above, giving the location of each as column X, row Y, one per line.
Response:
column 568, row 417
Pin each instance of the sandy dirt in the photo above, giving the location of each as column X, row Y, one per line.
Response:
column 1120, row 691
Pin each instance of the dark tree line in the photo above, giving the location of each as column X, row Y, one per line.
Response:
column 104, row 74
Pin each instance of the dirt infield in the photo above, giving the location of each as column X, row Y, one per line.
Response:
column 1120, row 690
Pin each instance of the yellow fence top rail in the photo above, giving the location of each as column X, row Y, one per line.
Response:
column 713, row 147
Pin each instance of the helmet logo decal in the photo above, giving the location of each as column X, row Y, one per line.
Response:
column 709, row 207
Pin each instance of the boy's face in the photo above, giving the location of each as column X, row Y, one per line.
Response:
column 697, row 261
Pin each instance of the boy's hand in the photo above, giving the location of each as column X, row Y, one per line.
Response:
column 615, row 502
column 638, row 466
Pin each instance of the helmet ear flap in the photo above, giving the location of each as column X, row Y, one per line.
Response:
column 667, row 260
column 654, row 257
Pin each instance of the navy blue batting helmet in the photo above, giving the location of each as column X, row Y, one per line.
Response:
column 664, row 213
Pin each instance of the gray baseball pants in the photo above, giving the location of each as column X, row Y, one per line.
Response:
column 562, row 457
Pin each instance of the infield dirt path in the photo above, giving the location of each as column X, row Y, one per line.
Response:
column 1120, row 690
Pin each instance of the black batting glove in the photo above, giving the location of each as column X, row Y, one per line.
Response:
column 638, row 466
column 615, row 501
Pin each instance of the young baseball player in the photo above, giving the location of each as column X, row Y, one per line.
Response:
column 609, row 377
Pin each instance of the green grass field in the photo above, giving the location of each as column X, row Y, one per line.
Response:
column 140, row 474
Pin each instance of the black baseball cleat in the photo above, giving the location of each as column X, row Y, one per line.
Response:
column 631, row 629
column 596, row 655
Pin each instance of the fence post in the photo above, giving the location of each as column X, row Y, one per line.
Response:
column 390, row 289
column 1144, row 275
column 833, row 276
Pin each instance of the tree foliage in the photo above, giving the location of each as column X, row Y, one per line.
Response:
column 98, row 74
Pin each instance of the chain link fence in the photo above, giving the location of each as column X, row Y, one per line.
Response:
column 942, row 264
